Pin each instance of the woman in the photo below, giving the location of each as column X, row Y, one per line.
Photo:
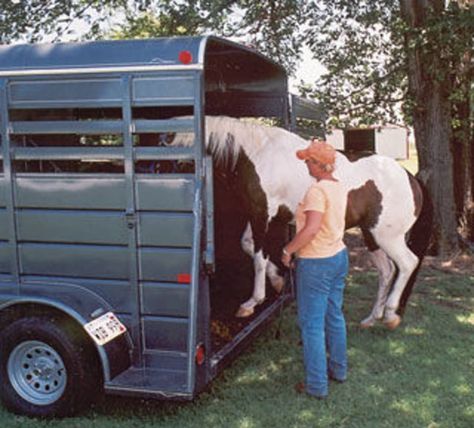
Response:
column 321, row 267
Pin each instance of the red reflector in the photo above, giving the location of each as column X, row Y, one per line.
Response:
column 185, row 57
column 200, row 354
column 184, row 278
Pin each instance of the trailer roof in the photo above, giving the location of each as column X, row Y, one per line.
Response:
column 237, row 80
column 50, row 58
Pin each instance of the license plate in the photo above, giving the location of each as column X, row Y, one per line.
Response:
column 105, row 328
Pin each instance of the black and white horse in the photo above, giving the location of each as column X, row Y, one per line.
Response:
column 384, row 200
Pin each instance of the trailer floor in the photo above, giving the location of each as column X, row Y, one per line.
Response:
column 233, row 288
column 232, row 283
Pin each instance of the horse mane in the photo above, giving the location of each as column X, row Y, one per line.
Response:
column 226, row 137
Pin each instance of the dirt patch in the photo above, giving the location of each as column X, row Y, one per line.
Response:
column 461, row 263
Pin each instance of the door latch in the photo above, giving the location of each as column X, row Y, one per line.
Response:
column 130, row 219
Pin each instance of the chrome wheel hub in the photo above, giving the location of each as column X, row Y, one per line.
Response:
column 37, row 372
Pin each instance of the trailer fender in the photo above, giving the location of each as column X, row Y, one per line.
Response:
column 114, row 356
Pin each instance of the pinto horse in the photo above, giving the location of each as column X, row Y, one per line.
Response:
column 384, row 200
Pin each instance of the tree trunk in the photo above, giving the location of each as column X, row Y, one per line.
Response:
column 470, row 179
column 463, row 155
column 462, row 146
column 431, row 123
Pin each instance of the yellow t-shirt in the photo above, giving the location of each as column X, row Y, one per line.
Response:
column 330, row 198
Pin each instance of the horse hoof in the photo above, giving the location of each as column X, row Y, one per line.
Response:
column 244, row 312
column 367, row 323
column 392, row 323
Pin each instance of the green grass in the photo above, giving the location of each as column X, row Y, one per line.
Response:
column 421, row 375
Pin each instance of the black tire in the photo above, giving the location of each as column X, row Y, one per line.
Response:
column 46, row 368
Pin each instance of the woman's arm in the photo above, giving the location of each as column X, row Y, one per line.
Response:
column 304, row 236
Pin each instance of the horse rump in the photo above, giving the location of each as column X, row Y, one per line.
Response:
column 419, row 237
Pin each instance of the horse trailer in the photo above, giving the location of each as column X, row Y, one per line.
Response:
column 107, row 235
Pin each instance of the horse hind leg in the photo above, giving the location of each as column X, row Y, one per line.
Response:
column 386, row 270
column 406, row 262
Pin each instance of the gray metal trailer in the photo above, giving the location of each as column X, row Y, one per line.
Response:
column 102, row 228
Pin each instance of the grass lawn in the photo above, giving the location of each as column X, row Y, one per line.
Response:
column 421, row 375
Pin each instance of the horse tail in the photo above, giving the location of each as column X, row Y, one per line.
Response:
column 419, row 236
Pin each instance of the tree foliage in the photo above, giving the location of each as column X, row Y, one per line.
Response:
column 37, row 20
column 360, row 45
column 268, row 25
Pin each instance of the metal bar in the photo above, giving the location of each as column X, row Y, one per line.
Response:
column 198, row 213
column 210, row 254
column 292, row 100
column 101, row 153
column 131, row 220
column 89, row 70
column 68, row 153
column 83, row 127
column 164, row 153
column 9, row 185
column 49, row 104
column 164, row 102
column 172, row 125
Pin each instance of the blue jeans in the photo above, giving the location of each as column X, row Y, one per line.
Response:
column 320, row 289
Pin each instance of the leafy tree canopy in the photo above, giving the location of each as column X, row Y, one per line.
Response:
column 362, row 45
column 269, row 25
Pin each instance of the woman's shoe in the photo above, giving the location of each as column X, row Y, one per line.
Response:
column 335, row 379
column 301, row 389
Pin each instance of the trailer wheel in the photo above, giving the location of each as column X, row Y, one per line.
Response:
column 45, row 368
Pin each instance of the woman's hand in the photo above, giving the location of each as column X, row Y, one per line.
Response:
column 286, row 258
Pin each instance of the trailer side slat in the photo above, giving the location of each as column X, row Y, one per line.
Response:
column 65, row 93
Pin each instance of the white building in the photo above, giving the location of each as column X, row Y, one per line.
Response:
column 388, row 140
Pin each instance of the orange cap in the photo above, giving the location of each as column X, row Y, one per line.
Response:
column 319, row 151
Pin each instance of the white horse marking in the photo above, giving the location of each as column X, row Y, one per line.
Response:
column 260, row 265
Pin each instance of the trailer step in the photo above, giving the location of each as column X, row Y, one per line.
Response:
column 147, row 382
